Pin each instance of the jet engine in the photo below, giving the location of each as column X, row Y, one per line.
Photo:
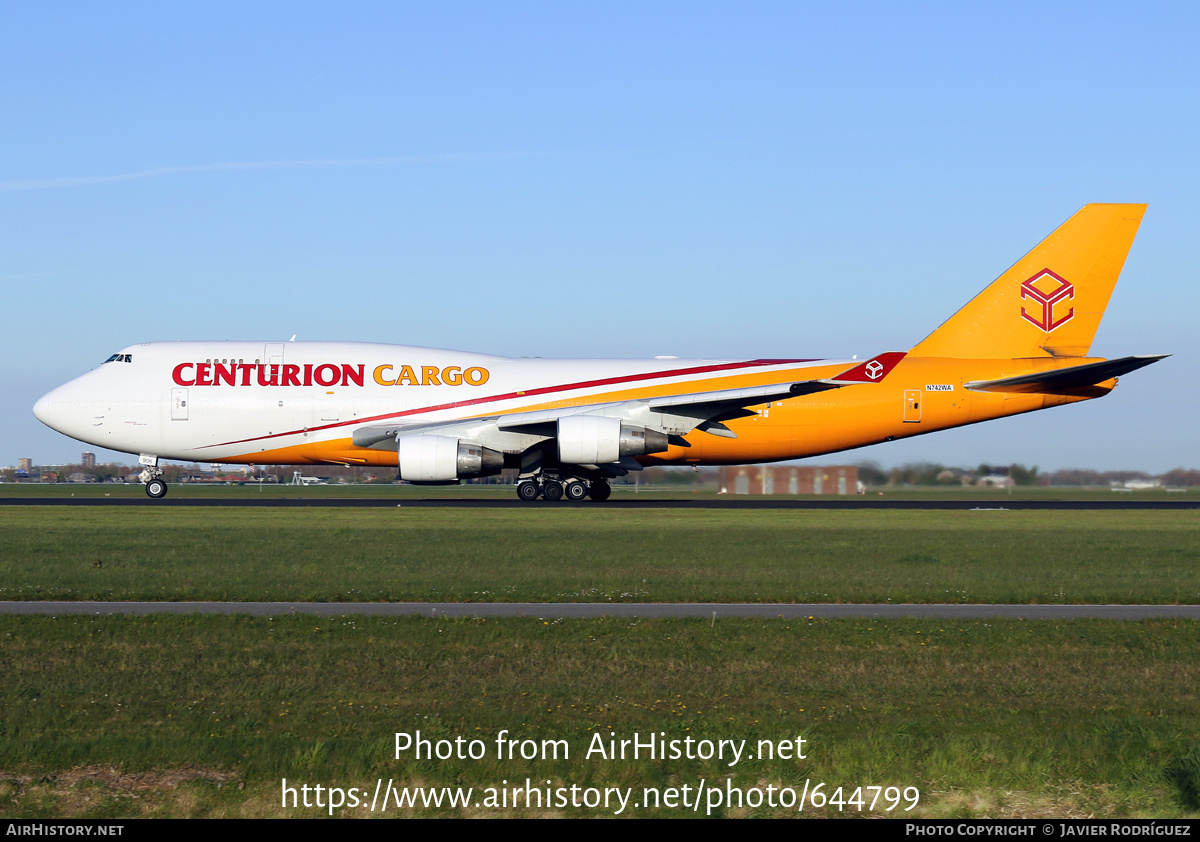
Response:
column 429, row 458
column 597, row 440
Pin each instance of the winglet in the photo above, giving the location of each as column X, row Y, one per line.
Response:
column 872, row 371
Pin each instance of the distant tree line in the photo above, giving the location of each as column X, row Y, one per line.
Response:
column 933, row 473
column 869, row 473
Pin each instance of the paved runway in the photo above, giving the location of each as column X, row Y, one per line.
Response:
column 581, row 610
column 781, row 503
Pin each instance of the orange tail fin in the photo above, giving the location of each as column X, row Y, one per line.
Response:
column 1050, row 302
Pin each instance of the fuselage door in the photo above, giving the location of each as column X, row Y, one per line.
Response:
column 179, row 404
column 912, row 406
column 329, row 406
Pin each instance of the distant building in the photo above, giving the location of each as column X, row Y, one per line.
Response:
column 995, row 481
column 89, row 459
column 1142, row 484
column 788, row 479
column 25, row 464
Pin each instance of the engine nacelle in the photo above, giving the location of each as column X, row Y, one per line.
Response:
column 597, row 440
column 444, row 458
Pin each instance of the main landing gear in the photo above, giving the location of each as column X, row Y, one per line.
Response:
column 554, row 489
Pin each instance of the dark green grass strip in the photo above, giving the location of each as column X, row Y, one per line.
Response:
column 589, row 555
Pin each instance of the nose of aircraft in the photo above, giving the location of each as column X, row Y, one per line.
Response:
column 50, row 410
column 41, row 410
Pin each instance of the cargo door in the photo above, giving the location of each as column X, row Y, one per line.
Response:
column 912, row 406
column 179, row 404
column 328, row 406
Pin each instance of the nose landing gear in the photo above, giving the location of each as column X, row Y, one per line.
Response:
column 156, row 488
column 152, row 476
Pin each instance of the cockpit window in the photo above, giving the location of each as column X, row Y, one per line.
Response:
column 120, row 358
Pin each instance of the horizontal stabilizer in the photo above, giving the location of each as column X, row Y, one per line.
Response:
column 1067, row 380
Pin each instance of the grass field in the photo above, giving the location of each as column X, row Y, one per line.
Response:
column 114, row 717
column 593, row 554
column 203, row 716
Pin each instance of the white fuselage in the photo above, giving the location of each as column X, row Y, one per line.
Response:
column 232, row 401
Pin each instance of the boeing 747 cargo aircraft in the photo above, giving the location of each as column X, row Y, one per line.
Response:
column 570, row 426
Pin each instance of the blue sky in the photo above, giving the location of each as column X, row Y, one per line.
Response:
column 567, row 179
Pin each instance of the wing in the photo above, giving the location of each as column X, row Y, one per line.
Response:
column 598, row 437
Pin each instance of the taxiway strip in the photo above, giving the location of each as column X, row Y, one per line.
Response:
column 842, row 503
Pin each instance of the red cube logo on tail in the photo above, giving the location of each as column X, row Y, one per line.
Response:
column 1047, row 290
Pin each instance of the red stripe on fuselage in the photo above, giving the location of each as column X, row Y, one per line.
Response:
column 545, row 390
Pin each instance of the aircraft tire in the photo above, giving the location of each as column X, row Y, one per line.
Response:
column 552, row 490
column 156, row 489
column 576, row 491
column 600, row 491
column 528, row 491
